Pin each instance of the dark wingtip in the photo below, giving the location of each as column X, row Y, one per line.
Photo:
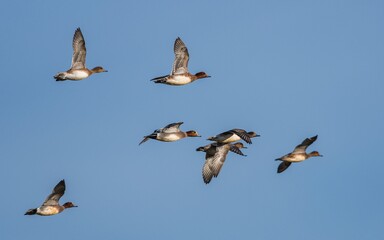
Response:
column 199, row 149
column 79, row 30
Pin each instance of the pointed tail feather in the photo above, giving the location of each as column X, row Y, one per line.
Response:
column 146, row 138
column 31, row 211
column 161, row 79
column 59, row 77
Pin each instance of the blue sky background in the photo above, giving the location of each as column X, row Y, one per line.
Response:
column 285, row 69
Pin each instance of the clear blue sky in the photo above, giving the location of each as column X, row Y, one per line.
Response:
column 285, row 69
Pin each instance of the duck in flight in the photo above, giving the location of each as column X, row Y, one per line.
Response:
column 233, row 136
column 170, row 133
column 298, row 154
column 51, row 204
column 78, row 71
column 215, row 155
column 180, row 74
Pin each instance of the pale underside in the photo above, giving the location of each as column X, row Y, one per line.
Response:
column 48, row 210
column 178, row 80
column 170, row 137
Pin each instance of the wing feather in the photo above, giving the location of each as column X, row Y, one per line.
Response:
column 57, row 193
column 242, row 134
column 79, row 50
column 303, row 146
column 180, row 64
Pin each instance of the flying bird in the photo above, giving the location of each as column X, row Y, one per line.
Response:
column 170, row 133
column 215, row 155
column 180, row 74
column 51, row 204
column 78, row 71
column 233, row 136
column 298, row 154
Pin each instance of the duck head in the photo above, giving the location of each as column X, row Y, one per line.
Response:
column 98, row 69
column 192, row 133
column 315, row 154
column 201, row 75
column 69, row 205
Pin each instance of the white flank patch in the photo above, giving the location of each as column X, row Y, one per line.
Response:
column 78, row 75
column 179, row 80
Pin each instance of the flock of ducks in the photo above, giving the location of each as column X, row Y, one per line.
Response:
column 215, row 153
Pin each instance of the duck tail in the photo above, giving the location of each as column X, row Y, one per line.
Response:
column 31, row 211
column 59, row 77
column 200, row 149
column 162, row 79
column 146, row 138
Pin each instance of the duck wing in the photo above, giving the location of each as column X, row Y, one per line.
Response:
column 57, row 193
column 79, row 50
column 283, row 166
column 218, row 159
column 242, row 134
column 180, row 64
column 303, row 146
column 171, row 128
column 236, row 150
column 221, row 137
column 207, row 172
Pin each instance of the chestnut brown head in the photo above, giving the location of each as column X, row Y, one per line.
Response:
column 69, row 205
column 98, row 69
column 201, row 75
column 192, row 133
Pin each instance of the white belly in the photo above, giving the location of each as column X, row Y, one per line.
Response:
column 77, row 75
column 169, row 137
column 47, row 211
column 233, row 138
column 296, row 158
column 178, row 80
